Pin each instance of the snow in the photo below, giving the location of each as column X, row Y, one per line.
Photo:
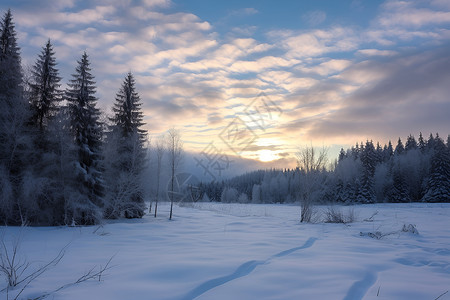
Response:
column 248, row 251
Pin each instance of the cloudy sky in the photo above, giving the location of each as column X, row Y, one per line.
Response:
column 259, row 78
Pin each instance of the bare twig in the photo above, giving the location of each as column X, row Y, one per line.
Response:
column 10, row 264
column 370, row 219
column 15, row 268
column 91, row 274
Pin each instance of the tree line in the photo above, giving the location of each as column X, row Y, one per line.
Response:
column 417, row 171
column 61, row 161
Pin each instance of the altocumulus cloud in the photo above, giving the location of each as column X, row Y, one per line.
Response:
column 335, row 84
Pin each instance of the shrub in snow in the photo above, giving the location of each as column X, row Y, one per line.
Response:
column 336, row 215
column 375, row 235
column 410, row 228
column 378, row 234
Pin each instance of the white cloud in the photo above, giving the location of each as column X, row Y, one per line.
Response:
column 287, row 81
column 390, row 37
column 227, row 54
column 95, row 15
column 329, row 67
column 363, row 73
column 319, row 42
column 267, row 62
column 157, row 3
column 404, row 13
column 376, row 52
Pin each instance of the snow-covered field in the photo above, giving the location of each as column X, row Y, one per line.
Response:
column 238, row 251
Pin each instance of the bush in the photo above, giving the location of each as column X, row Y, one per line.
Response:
column 336, row 215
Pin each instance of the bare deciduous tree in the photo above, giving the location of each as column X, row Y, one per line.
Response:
column 175, row 153
column 310, row 162
column 159, row 149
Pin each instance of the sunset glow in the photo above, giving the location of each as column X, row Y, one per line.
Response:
column 267, row 155
column 298, row 72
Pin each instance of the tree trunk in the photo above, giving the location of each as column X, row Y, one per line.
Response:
column 171, row 190
column 157, row 185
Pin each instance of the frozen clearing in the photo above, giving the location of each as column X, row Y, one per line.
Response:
column 244, row 251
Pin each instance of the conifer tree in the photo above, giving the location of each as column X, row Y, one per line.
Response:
column 10, row 62
column 411, row 143
column 431, row 143
column 14, row 141
column 399, row 149
column 438, row 188
column 378, row 154
column 12, row 109
column 44, row 187
column 45, row 93
column 87, row 133
column 126, row 154
column 399, row 189
column 388, row 151
column 368, row 160
column 421, row 143
column 342, row 154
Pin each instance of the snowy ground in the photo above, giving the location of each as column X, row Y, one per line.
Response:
column 233, row 251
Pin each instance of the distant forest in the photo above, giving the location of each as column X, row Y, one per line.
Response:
column 417, row 171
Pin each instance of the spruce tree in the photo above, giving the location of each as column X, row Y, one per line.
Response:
column 368, row 160
column 431, row 143
column 125, row 154
column 10, row 62
column 87, row 133
column 342, row 155
column 399, row 149
column 399, row 190
column 438, row 188
column 12, row 109
column 14, row 139
column 45, row 93
column 421, row 143
column 43, row 187
column 411, row 143
column 388, row 152
column 379, row 154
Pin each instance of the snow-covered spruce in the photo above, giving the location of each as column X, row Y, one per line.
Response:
column 125, row 155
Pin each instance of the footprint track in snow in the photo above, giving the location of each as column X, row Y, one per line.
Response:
column 359, row 288
column 243, row 270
